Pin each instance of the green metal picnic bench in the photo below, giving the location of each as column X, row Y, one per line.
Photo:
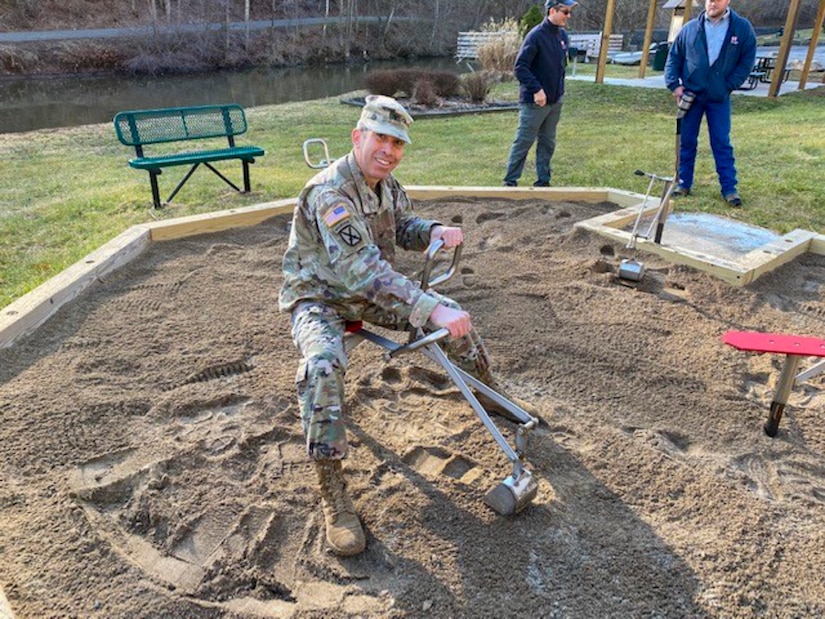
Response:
column 139, row 128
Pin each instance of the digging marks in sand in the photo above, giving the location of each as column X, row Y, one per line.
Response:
column 151, row 447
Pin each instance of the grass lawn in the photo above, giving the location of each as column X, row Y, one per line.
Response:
column 68, row 191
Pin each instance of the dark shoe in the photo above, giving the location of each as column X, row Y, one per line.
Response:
column 680, row 192
column 733, row 200
column 541, row 184
column 510, row 184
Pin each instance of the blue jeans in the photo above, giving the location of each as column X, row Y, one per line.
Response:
column 718, row 119
column 534, row 124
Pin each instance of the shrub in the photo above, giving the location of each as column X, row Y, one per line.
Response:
column 477, row 85
column 392, row 82
column 424, row 92
column 446, row 84
column 500, row 53
column 382, row 83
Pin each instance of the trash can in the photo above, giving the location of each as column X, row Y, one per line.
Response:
column 660, row 56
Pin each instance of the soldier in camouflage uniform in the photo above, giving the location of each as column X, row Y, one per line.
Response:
column 339, row 267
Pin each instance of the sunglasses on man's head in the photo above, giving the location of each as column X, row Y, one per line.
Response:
column 565, row 11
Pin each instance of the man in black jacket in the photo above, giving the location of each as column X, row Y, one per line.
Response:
column 539, row 68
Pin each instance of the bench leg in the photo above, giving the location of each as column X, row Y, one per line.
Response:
column 780, row 397
column 153, row 179
column 183, row 181
column 222, row 177
column 245, row 175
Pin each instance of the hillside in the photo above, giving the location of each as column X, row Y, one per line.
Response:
column 172, row 50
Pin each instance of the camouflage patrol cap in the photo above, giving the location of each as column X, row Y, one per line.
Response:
column 386, row 115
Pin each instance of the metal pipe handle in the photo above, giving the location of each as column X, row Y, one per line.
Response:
column 321, row 164
column 435, row 336
column 432, row 250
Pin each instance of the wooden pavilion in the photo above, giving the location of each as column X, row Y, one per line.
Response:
column 687, row 6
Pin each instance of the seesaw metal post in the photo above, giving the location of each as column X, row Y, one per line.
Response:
column 794, row 347
column 787, row 378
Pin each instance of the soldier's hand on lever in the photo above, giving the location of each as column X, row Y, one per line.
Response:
column 457, row 322
column 451, row 235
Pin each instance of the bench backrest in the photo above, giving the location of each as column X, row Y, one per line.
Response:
column 592, row 42
column 138, row 127
column 469, row 42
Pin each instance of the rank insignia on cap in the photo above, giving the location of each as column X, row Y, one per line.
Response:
column 338, row 214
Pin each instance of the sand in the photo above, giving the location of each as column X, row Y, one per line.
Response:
column 152, row 464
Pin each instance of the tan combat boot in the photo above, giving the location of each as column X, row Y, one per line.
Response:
column 344, row 533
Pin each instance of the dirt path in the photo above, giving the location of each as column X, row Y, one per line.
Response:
column 151, row 461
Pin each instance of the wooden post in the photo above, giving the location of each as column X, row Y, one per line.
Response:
column 784, row 48
column 688, row 9
column 820, row 18
column 651, row 18
column 608, row 29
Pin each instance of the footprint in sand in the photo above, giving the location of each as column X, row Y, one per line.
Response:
column 170, row 508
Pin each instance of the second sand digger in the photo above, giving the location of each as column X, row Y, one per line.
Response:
column 632, row 269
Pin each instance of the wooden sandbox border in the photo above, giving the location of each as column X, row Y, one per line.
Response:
column 30, row 311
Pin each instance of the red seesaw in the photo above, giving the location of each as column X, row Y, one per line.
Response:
column 794, row 347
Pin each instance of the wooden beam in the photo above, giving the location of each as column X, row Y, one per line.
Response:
column 216, row 222
column 784, row 48
column 774, row 254
column 651, row 19
column 606, row 32
column 31, row 310
column 809, row 59
column 627, row 198
column 817, row 245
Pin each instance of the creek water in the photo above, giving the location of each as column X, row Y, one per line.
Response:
column 33, row 103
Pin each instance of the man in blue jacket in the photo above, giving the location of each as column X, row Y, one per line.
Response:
column 711, row 56
column 539, row 69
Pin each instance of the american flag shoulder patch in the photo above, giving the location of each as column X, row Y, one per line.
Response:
column 335, row 215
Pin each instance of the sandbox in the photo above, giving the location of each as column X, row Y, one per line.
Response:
column 152, row 460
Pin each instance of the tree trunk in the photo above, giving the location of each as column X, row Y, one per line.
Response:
column 436, row 21
column 246, row 21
